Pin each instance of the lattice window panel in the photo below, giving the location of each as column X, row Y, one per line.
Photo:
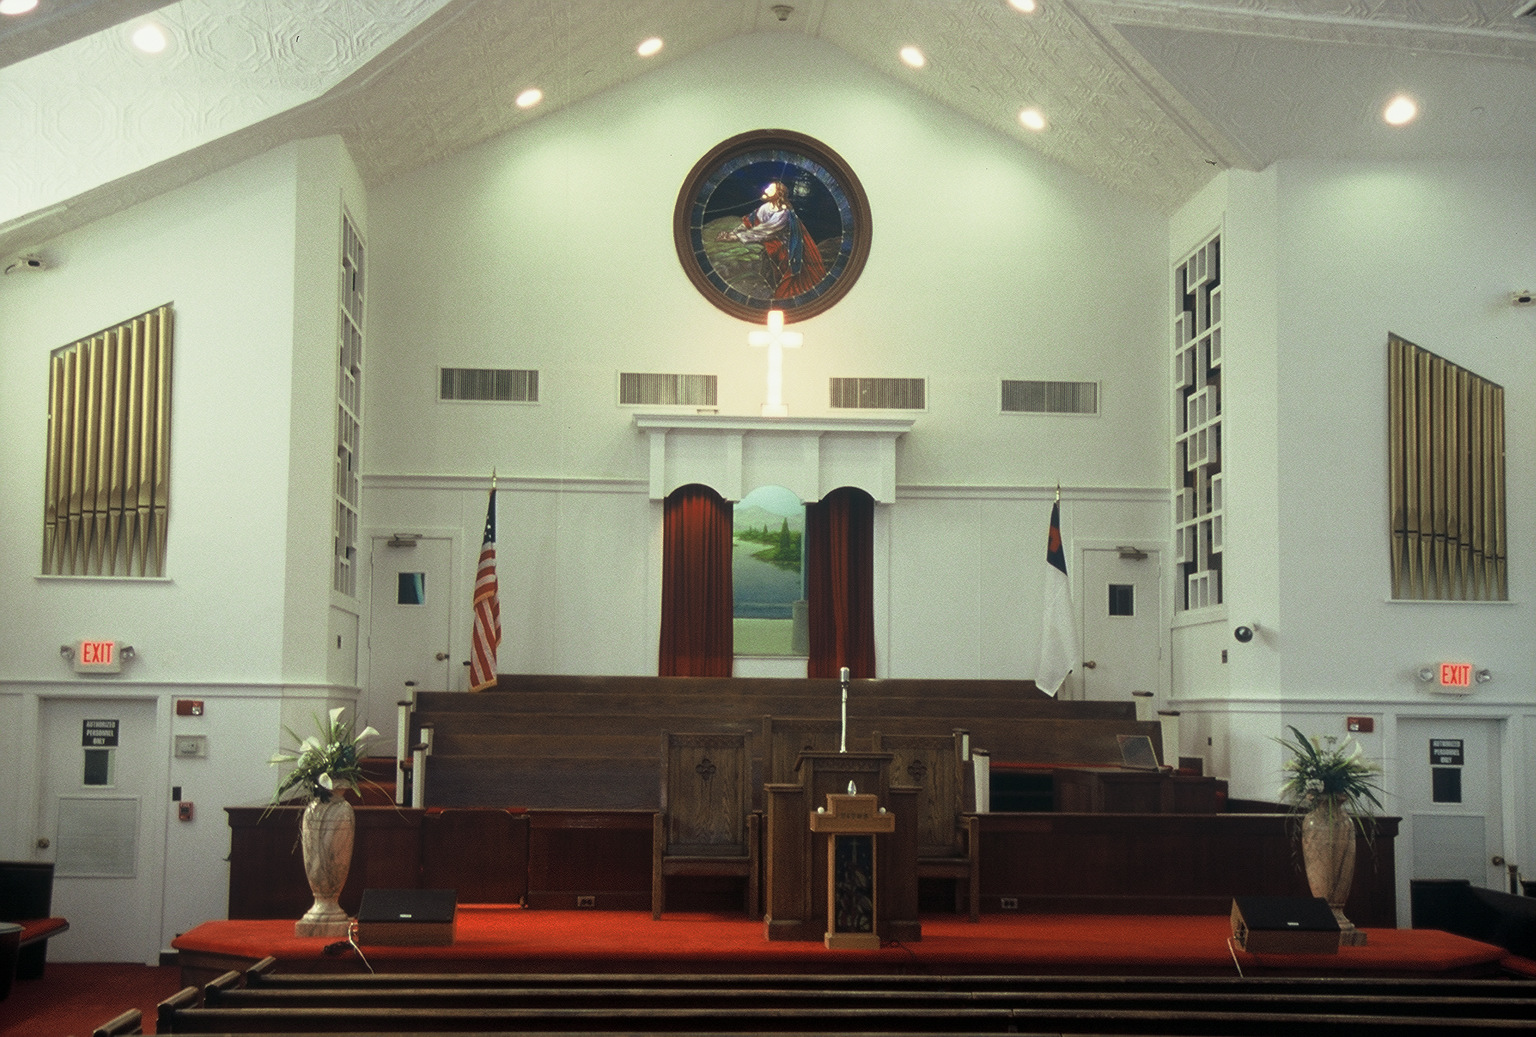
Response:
column 1199, row 517
column 349, row 383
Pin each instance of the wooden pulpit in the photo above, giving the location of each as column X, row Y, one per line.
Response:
column 850, row 823
column 796, row 886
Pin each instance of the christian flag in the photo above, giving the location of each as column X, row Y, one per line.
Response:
column 1058, row 632
column 487, row 633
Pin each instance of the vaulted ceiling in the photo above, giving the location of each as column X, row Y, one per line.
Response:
column 1149, row 97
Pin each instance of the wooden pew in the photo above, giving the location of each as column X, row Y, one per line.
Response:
column 129, row 1022
column 583, row 742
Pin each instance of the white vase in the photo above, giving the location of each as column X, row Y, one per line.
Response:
column 326, row 832
column 1328, row 851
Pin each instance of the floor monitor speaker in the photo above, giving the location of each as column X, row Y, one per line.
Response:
column 407, row 917
column 1284, row 925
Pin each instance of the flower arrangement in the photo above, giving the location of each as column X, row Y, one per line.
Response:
column 1331, row 774
column 323, row 764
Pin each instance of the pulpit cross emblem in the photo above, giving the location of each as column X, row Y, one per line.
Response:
column 776, row 339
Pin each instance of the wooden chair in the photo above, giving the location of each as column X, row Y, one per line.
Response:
column 946, row 823
column 706, row 825
column 785, row 738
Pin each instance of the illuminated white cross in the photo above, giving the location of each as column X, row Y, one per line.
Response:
column 777, row 340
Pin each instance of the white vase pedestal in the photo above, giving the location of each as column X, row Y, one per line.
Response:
column 326, row 833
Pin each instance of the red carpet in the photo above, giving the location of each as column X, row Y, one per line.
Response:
column 72, row 999
column 506, row 939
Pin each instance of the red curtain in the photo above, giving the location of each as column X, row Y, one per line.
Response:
column 696, row 636
column 840, row 583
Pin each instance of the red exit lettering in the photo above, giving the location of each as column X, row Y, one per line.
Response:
column 96, row 653
column 1456, row 675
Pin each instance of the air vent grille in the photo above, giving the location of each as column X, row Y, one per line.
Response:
column 1050, row 397
column 879, row 393
column 668, row 390
column 492, row 385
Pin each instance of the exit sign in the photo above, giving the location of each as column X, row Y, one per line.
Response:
column 1455, row 675
column 98, row 657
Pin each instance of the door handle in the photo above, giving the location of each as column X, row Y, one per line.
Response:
column 1498, row 860
column 441, row 656
column 43, row 843
column 1090, row 664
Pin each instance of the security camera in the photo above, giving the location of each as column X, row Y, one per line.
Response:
column 23, row 264
column 1243, row 634
column 1522, row 297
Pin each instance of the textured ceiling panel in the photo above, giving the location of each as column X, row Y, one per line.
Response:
column 1285, row 97
column 1148, row 97
column 457, row 85
column 988, row 61
column 96, row 109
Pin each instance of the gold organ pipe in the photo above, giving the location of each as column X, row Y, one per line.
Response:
column 162, row 490
column 131, row 431
column 1455, row 385
column 1426, row 516
column 115, row 483
column 1501, row 574
column 77, row 422
column 1446, row 478
column 106, row 475
column 1410, row 396
column 144, row 498
column 51, row 464
column 1477, row 477
column 106, row 364
column 1397, row 492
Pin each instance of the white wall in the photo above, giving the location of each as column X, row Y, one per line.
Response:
column 1430, row 251
column 247, row 257
column 551, row 248
column 1321, row 262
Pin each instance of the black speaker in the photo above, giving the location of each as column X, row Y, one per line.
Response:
column 1284, row 925
column 407, row 917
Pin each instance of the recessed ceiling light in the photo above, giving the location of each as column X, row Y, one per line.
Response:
column 1400, row 111
column 17, row 6
column 1027, row 6
column 1031, row 119
column 649, row 47
column 150, row 38
column 913, row 57
column 530, row 97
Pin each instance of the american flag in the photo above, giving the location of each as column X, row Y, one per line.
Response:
column 487, row 633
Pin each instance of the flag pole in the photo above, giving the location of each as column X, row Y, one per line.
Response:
column 485, row 633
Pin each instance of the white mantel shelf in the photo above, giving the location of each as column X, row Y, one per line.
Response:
column 809, row 456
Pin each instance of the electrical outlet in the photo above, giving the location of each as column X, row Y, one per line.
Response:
column 586, row 901
column 1010, row 903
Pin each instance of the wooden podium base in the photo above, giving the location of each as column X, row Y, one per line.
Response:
column 850, row 823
